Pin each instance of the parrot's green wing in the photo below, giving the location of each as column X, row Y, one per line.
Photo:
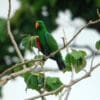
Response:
column 51, row 42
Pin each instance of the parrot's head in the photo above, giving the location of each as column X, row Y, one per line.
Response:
column 40, row 26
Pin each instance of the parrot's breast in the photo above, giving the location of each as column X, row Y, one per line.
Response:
column 38, row 44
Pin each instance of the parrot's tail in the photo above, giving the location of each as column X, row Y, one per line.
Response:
column 61, row 64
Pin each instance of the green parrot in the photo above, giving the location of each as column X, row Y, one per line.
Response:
column 47, row 44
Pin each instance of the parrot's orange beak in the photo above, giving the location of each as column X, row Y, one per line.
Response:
column 37, row 25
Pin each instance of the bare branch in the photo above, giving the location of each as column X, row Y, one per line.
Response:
column 13, row 75
column 19, row 64
column 68, row 93
column 71, row 80
column 26, row 62
column 92, row 60
column 12, row 37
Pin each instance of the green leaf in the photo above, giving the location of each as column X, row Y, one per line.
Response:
column 52, row 83
column 34, row 80
column 78, row 54
column 18, row 68
column 28, row 42
column 79, row 65
column 75, row 59
column 97, row 45
column 68, row 61
column 78, row 61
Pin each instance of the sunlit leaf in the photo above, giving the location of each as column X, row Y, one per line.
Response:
column 28, row 42
column 52, row 83
column 75, row 59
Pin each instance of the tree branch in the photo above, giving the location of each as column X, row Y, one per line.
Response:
column 19, row 64
column 13, row 75
column 68, row 93
column 12, row 37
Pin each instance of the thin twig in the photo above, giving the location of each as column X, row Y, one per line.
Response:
column 12, row 37
column 65, row 40
column 42, row 97
column 62, row 93
column 13, row 75
column 92, row 60
column 68, row 93
column 26, row 62
column 71, row 80
column 19, row 64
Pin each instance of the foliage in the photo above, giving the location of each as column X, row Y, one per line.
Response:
column 34, row 80
column 38, row 81
column 98, row 45
column 28, row 42
column 52, row 83
column 75, row 59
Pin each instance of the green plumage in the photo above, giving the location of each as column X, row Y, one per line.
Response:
column 49, row 44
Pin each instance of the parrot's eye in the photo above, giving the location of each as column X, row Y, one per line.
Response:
column 37, row 25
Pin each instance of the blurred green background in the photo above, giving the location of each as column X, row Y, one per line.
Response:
column 30, row 10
